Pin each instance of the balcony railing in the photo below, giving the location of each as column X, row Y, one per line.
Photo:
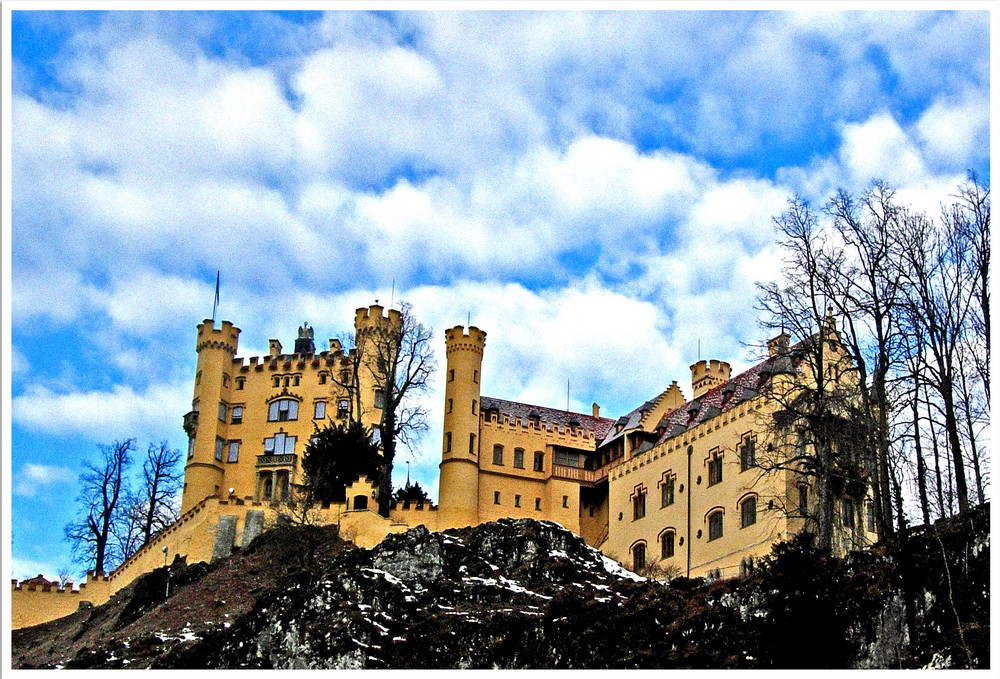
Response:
column 589, row 476
column 286, row 460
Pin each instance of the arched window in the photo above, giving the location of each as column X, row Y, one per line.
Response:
column 638, row 556
column 748, row 511
column 715, row 525
column 667, row 544
column 282, row 410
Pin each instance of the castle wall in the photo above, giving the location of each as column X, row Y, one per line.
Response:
column 33, row 605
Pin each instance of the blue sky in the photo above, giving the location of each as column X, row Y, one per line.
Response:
column 596, row 189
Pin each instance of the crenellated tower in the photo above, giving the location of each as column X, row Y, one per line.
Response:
column 458, row 491
column 203, row 473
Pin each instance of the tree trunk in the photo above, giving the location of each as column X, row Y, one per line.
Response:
column 921, row 468
column 973, row 448
column 951, row 426
column 387, row 431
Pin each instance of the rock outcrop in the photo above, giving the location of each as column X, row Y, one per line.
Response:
column 528, row 594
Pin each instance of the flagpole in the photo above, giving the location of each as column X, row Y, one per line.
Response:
column 215, row 305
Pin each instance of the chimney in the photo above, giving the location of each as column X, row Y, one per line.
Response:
column 596, row 410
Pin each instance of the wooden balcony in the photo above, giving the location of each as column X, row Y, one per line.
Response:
column 589, row 477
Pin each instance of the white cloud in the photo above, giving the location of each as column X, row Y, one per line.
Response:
column 30, row 478
column 879, row 149
column 24, row 569
column 122, row 412
column 955, row 134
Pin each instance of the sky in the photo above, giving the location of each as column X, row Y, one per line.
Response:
column 595, row 190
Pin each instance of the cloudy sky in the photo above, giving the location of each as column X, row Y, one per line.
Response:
column 595, row 189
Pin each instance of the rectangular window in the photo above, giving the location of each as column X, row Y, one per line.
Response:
column 715, row 470
column 519, row 458
column 237, row 417
column 748, row 455
column 282, row 410
column 222, row 412
column 538, row 504
column 639, row 504
column 475, row 376
column 280, row 444
column 240, row 381
column 667, row 492
column 496, row 497
column 450, row 403
column 748, row 512
column 639, row 557
column 219, row 445
column 539, row 461
column 848, row 513
column 379, row 399
column 517, row 500
column 667, row 545
column 342, row 407
column 472, row 444
column 568, row 459
column 322, row 378
column 447, row 442
column 473, row 406
column 566, row 501
column 803, row 500
column 498, row 454
column 234, row 451
column 190, row 447
column 320, row 410
column 715, row 526
column 451, row 375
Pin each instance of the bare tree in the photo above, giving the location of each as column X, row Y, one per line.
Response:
column 103, row 486
column 816, row 431
column 866, row 291
column 400, row 361
column 936, row 271
column 162, row 478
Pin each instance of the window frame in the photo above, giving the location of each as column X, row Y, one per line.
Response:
column 668, row 490
column 664, row 542
column 498, row 454
column 317, row 406
column 539, row 462
column 638, row 499
column 519, row 458
column 749, row 443
column 716, row 520
column 745, row 503
column 714, row 468
column 236, row 415
column 290, row 410
column 233, row 446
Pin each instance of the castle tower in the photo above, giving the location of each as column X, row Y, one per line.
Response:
column 203, row 473
column 708, row 374
column 458, row 490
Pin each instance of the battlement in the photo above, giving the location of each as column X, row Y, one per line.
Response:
column 457, row 339
column 366, row 319
column 226, row 337
column 707, row 374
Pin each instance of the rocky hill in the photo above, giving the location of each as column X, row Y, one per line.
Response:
column 525, row 594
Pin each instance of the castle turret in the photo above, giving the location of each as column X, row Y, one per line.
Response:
column 206, row 424
column 708, row 374
column 458, row 492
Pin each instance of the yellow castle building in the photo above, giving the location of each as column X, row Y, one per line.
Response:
column 674, row 484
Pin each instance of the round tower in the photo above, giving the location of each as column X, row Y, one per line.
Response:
column 458, row 490
column 203, row 473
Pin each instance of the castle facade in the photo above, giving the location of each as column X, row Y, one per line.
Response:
column 677, row 484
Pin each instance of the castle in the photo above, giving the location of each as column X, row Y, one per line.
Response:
column 673, row 484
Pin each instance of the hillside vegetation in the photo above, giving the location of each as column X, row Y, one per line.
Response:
column 528, row 594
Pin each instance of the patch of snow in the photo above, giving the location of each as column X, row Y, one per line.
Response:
column 615, row 568
column 558, row 552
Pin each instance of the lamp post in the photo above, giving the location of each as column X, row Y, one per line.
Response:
column 168, row 570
